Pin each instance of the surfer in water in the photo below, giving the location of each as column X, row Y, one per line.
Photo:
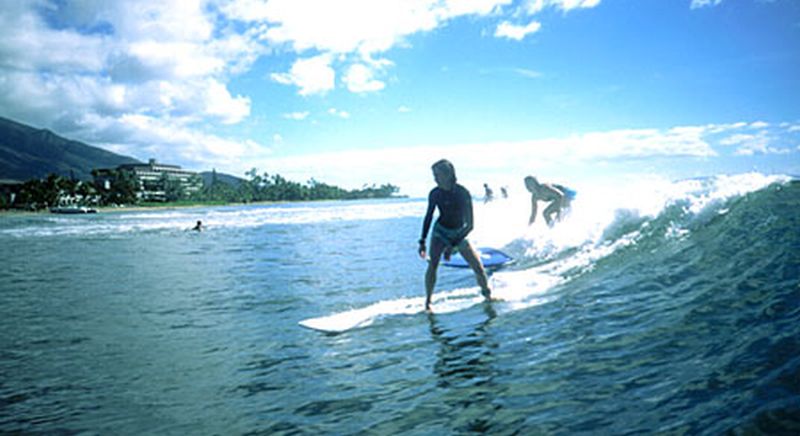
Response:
column 451, row 228
column 198, row 227
column 558, row 196
column 489, row 194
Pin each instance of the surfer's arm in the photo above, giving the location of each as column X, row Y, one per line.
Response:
column 426, row 223
column 533, row 209
column 468, row 218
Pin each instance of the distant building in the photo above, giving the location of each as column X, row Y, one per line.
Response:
column 153, row 179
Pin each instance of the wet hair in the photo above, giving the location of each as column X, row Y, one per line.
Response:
column 530, row 179
column 447, row 168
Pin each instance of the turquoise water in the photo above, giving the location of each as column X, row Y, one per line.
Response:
column 675, row 311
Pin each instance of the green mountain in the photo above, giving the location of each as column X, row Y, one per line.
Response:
column 28, row 153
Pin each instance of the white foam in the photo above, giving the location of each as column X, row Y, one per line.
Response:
column 504, row 222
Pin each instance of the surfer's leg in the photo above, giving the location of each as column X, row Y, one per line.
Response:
column 563, row 211
column 472, row 258
column 448, row 251
column 551, row 210
column 435, row 252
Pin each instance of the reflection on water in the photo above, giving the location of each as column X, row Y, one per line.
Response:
column 466, row 371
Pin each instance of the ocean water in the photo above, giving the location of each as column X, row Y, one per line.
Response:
column 665, row 307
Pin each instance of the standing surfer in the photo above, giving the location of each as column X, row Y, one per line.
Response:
column 451, row 228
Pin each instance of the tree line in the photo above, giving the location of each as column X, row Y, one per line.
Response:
column 56, row 190
column 266, row 187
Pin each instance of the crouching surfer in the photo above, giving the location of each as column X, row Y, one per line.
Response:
column 557, row 196
column 451, row 228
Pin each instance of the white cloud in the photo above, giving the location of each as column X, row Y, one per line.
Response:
column 536, row 6
column 351, row 32
column 351, row 26
column 531, row 74
column 297, row 116
column 407, row 166
column 678, row 141
column 345, row 26
column 721, row 128
column 338, row 113
column 749, row 144
column 221, row 104
column 696, row 4
column 456, row 8
column 359, row 78
column 511, row 31
column 312, row 75
column 173, row 140
column 404, row 109
column 737, row 139
column 175, row 58
column 93, row 59
column 28, row 44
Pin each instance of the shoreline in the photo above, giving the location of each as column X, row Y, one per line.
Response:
column 136, row 208
column 166, row 206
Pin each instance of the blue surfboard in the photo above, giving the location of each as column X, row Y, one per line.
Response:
column 490, row 257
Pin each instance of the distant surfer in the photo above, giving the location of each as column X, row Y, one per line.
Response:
column 451, row 228
column 198, row 227
column 558, row 196
column 488, row 193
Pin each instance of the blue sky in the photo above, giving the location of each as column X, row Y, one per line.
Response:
column 371, row 91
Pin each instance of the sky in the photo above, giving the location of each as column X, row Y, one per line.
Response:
column 361, row 92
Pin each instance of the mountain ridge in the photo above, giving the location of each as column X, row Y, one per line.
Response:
column 28, row 152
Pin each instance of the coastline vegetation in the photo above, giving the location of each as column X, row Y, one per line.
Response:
column 56, row 190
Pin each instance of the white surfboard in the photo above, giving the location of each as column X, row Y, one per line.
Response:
column 512, row 292
column 442, row 302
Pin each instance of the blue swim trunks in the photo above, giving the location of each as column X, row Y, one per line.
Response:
column 449, row 236
column 569, row 193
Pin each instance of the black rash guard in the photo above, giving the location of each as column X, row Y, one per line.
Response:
column 455, row 209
